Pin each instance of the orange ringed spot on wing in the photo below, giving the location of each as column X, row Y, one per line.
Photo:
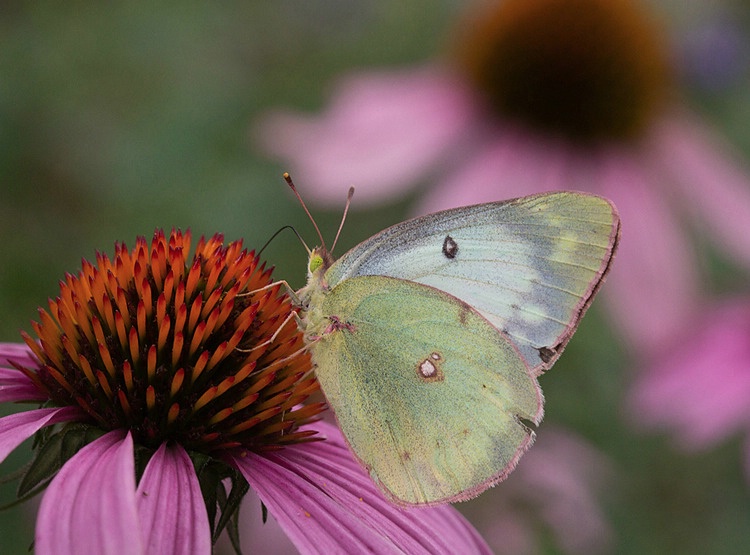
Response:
column 429, row 370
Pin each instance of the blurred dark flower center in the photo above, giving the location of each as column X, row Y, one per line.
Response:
column 585, row 69
column 178, row 349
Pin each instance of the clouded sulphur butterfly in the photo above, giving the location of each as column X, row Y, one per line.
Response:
column 428, row 338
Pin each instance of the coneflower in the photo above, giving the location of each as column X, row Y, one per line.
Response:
column 169, row 385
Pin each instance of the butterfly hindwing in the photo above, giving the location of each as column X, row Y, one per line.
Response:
column 430, row 396
column 529, row 265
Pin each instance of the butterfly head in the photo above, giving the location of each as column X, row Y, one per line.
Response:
column 320, row 261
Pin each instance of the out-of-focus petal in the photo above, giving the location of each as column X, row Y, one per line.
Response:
column 170, row 505
column 565, row 474
column 653, row 287
column 512, row 162
column 326, row 503
column 266, row 537
column 700, row 390
column 16, row 428
column 509, row 532
column 90, row 506
column 557, row 485
column 712, row 186
column 381, row 133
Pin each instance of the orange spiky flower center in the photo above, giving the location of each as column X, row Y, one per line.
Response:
column 585, row 69
column 178, row 348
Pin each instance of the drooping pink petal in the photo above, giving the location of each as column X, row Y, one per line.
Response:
column 21, row 392
column 15, row 385
column 90, row 506
column 712, row 186
column 381, row 133
column 16, row 428
column 170, row 505
column 326, row 503
column 652, row 288
column 700, row 390
column 511, row 162
column 18, row 353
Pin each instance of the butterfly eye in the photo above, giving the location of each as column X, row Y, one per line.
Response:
column 316, row 261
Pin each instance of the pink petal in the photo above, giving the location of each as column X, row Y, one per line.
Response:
column 16, row 428
column 18, row 353
column 713, row 186
column 556, row 489
column 652, row 288
column 257, row 536
column 170, row 505
column 565, row 474
column 512, row 162
column 326, row 503
column 15, row 385
column 700, row 391
column 90, row 506
column 381, row 133
column 12, row 376
column 23, row 392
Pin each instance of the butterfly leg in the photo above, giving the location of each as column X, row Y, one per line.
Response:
column 336, row 325
column 291, row 292
column 292, row 315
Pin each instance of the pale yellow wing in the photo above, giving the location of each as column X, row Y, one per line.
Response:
column 430, row 396
column 530, row 265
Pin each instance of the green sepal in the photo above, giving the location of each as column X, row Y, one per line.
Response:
column 211, row 475
column 52, row 451
column 230, row 508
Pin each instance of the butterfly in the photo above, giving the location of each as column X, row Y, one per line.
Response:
column 428, row 338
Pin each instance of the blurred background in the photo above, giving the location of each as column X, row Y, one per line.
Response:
column 118, row 119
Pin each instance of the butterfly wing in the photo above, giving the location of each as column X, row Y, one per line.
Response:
column 429, row 394
column 529, row 265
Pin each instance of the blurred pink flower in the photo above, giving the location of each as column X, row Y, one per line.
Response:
column 700, row 390
column 555, row 491
column 545, row 94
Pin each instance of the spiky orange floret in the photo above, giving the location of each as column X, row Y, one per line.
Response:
column 178, row 348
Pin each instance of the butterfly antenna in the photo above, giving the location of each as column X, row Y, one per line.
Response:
column 343, row 217
column 301, row 240
column 289, row 182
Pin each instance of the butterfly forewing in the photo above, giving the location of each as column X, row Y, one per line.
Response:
column 529, row 265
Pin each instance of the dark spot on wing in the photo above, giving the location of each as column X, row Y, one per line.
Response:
column 450, row 247
column 529, row 425
column 546, row 354
column 463, row 314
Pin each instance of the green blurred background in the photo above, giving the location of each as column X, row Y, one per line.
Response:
column 116, row 119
